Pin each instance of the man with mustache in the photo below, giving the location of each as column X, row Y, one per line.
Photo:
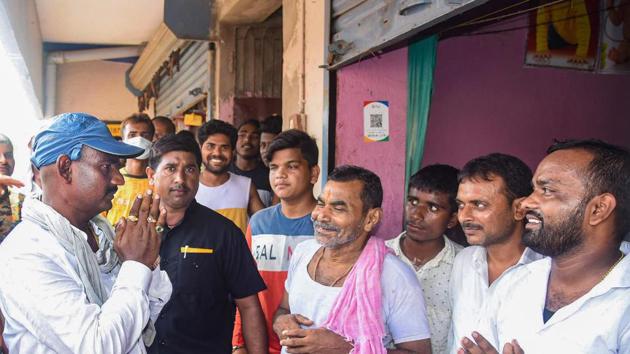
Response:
column 248, row 162
column 10, row 201
column 67, row 283
column 208, row 259
column 231, row 195
column 577, row 299
column 490, row 191
column 431, row 210
column 274, row 232
column 345, row 291
column 136, row 130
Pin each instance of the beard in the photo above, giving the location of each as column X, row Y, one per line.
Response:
column 216, row 170
column 338, row 240
column 555, row 240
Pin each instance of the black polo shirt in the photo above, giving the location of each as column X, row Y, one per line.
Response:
column 215, row 268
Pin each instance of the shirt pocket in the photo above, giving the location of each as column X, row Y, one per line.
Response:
column 193, row 271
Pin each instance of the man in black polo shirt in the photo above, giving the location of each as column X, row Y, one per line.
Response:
column 207, row 260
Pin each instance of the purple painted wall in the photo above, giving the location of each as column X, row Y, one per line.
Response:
column 485, row 100
column 380, row 78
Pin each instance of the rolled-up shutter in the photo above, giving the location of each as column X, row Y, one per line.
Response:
column 189, row 85
column 361, row 27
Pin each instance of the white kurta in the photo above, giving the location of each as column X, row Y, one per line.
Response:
column 470, row 289
column 46, row 309
column 597, row 322
column 434, row 277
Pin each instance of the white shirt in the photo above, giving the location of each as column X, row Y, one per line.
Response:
column 470, row 289
column 402, row 307
column 434, row 277
column 46, row 309
column 597, row 322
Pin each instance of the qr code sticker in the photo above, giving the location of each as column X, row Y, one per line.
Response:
column 376, row 120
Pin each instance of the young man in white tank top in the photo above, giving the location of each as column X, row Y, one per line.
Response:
column 230, row 195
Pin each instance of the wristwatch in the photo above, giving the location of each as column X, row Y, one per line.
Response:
column 237, row 347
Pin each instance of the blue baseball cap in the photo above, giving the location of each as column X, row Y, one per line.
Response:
column 67, row 134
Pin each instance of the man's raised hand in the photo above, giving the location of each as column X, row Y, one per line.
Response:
column 137, row 236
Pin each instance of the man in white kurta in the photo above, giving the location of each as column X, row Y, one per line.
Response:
column 576, row 300
column 67, row 283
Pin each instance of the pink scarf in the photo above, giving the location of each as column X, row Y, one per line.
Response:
column 356, row 314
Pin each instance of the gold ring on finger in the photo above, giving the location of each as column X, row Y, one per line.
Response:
column 159, row 229
column 132, row 218
column 151, row 219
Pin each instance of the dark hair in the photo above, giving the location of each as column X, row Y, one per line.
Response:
column 608, row 172
column 517, row 176
column 174, row 142
column 372, row 192
column 294, row 138
column 437, row 178
column 170, row 126
column 188, row 133
column 271, row 125
column 216, row 126
column 135, row 119
column 253, row 122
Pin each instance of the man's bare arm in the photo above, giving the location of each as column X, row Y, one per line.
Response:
column 283, row 320
column 253, row 321
column 255, row 203
column 416, row 347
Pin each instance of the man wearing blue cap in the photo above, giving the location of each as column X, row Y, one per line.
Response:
column 67, row 283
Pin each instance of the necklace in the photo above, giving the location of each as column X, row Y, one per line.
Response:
column 612, row 267
column 321, row 255
column 418, row 262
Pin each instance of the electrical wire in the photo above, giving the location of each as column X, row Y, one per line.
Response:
column 588, row 13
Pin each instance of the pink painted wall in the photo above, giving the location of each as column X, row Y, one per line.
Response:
column 485, row 100
column 379, row 78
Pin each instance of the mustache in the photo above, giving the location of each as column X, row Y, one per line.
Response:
column 217, row 157
column 535, row 214
column 325, row 226
column 471, row 226
column 179, row 187
column 112, row 190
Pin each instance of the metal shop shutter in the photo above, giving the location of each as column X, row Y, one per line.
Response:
column 361, row 27
column 187, row 86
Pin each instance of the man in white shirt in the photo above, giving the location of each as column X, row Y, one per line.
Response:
column 577, row 300
column 67, row 285
column 490, row 191
column 431, row 210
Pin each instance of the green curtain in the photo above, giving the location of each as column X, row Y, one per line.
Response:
column 422, row 56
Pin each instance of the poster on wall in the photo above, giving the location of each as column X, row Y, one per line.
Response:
column 614, row 53
column 564, row 34
column 375, row 121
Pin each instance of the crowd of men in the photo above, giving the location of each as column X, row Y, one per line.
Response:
column 215, row 243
